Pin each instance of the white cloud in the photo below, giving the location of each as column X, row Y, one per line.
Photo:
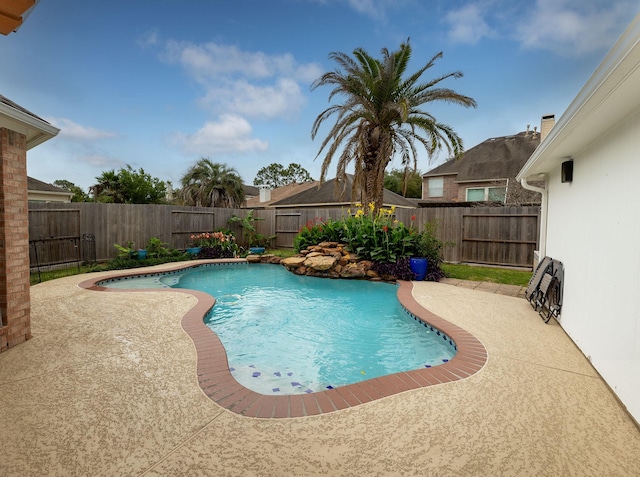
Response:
column 376, row 9
column 149, row 39
column 565, row 27
column 97, row 160
column 247, row 83
column 281, row 99
column 74, row 131
column 468, row 24
column 210, row 61
column 230, row 134
column 574, row 27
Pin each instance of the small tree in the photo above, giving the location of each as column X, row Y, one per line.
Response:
column 406, row 182
column 275, row 175
column 128, row 186
column 79, row 195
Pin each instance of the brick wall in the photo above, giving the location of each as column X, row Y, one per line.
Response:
column 449, row 189
column 14, row 240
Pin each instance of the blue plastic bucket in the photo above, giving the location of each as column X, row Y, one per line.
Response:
column 419, row 266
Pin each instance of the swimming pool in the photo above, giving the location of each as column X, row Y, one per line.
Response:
column 217, row 383
column 290, row 334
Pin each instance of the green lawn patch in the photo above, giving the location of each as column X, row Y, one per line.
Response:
column 487, row 274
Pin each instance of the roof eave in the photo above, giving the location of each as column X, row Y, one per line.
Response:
column 438, row 174
column 36, row 130
column 469, row 181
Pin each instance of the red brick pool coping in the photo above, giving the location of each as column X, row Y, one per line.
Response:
column 218, row 384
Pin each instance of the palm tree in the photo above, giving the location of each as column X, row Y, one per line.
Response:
column 210, row 184
column 108, row 188
column 381, row 116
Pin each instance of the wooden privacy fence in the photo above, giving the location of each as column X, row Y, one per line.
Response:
column 486, row 235
column 137, row 223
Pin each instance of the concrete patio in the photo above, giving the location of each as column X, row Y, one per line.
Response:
column 107, row 387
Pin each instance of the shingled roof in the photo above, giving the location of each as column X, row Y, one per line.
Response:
column 280, row 193
column 15, row 117
column 326, row 195
column 35, row 184
column 17, row 107
column 495, row 158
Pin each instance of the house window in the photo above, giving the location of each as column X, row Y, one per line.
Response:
column 436, row 186
column 483, row 194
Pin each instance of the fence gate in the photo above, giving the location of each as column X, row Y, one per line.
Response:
column 287, row 227
column 499, row 239
column 55, row 241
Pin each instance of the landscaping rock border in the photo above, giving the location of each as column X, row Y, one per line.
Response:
column 326, row 260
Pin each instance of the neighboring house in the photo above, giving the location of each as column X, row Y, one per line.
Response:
column 268, row 196
column 486, row 172
column 250, row 191
column 326, row 195
column 38, row 191
column 590, row 165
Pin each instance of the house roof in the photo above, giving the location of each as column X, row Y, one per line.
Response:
column 325, row 194
column 36, row 185
column 19, row 119
column 280, row 193
column 610, row 95
column 496, row 158
column 250, row 191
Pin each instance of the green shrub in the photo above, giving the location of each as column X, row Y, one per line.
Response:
column 429, row 247
column 371, row 235
column 317, row 231
column 156, row 248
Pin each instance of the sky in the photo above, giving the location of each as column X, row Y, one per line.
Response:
column 159, row 84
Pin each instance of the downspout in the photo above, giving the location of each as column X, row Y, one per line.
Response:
column 542, row 249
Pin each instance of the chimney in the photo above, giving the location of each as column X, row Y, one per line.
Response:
column 265, row 193
column 547, row 123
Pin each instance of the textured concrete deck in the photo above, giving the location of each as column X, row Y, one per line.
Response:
column 107, row 386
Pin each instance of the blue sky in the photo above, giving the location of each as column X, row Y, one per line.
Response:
column 158, row 84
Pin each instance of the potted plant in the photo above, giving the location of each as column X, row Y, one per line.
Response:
column 419, row 266
column 429, row 249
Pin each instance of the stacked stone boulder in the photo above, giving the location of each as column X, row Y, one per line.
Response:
column 330, row 260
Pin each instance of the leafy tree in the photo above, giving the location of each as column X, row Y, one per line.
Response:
column 381, row 116
column 79, row 195
column 406, row 182
column 210, row 184
column 128, row 186
column 275, row 175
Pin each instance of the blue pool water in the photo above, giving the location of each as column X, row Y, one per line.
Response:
column 289, row 334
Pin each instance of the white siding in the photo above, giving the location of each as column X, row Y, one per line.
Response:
column 594, row 229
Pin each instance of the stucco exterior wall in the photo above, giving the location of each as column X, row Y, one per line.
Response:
column 594, row 229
